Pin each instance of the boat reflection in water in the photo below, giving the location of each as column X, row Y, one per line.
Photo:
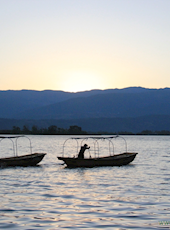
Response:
column 31, row 159
column 110, row 160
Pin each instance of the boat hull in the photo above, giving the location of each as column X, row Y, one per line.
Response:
column 26, row 160
column 116, row 160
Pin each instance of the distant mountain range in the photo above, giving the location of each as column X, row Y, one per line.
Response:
column 128, row 109
column 28, row 102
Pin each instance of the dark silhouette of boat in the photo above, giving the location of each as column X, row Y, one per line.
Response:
column 24, row 160
column 111, row 160
column 117, row 160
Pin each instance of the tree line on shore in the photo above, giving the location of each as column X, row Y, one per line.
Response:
column 73, row 130
column 51, row 130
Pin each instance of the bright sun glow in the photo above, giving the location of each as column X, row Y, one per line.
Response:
column 80, row 81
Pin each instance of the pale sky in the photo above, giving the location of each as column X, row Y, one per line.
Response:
column 77, row 45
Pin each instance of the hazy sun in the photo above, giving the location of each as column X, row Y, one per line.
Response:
column 80, row 81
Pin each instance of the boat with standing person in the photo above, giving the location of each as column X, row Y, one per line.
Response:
column 110, row 159
column 31, row 159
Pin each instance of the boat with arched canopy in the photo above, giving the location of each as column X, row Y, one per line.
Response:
column 31, row 159
column 111, row 159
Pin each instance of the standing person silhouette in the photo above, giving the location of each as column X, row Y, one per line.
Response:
column 82, row 150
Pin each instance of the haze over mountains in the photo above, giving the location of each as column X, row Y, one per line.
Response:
column 131, row 109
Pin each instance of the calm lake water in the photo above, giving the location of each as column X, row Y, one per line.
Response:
column 51, row 196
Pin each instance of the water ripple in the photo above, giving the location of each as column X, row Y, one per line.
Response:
column 54, row 197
